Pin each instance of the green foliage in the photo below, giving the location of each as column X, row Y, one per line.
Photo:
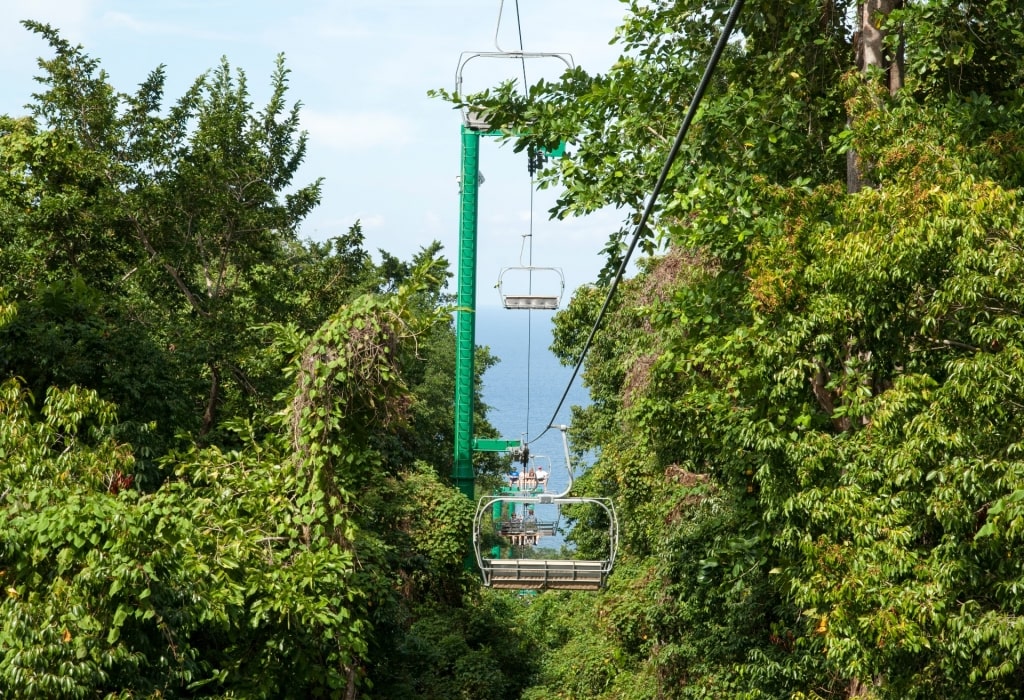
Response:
column 965, row 47
column 235, row 484
column 68, row 334
column 177, row 217
column 909, row 310
column 473, row 650
column 237, row 576
column 576, row 645
column 806, row 408
column 811, row 453
column 212, row 581
column 108, row 589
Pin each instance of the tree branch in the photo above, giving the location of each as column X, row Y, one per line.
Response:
column 170, row 269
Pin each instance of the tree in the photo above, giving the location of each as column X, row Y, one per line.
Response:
column 238, row 575
column 803, row 406
column 875, row 57
column 179, row 216
column 223, row 448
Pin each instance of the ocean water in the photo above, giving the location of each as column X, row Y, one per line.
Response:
column 523, row 391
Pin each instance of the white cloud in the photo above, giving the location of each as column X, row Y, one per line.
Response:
column 357, row 131
column 372, row 221
column 69, row 16
column 125, row 21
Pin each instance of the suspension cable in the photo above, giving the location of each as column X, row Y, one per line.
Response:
column 529, row 315
column 529, row 237
column 522, row 59
column 698, row 96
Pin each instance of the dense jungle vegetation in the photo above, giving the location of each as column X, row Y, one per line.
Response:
column 224, row 450
column 808, row 404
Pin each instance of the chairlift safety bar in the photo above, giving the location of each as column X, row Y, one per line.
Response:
column 477, row 121
column 530, row 301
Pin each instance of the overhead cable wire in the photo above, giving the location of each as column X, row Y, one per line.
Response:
column 684, row 128
column 529, row 236
column 529, row 314
column 522, row 59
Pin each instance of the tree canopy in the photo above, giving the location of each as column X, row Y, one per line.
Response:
column 805, row 403
column 224, row 451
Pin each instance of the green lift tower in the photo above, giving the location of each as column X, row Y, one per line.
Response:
column 465, row 319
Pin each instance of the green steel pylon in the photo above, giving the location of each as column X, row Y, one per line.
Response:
column 465, row 319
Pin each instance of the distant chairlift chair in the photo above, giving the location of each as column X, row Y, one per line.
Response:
column 522, row 296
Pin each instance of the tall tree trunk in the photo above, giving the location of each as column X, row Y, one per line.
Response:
column 871, row 54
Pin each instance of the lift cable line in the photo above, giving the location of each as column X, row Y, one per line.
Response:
column 529, row 235
column 698, row 96
column 529, row 319
column 522, row 61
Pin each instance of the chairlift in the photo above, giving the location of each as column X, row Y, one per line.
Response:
column 475, row 119
column 534, row 475
column 544, row 574
column 521, row 295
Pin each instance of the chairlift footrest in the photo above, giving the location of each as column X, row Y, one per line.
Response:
column 545, row 574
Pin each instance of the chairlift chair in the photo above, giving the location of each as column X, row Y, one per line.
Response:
column 520, row 298
column 538, row 464
column 546, row 574
column 476, row 119
column 524, row 483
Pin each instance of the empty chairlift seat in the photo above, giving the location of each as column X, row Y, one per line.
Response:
column 540, row 574
column 530, row 301
column 516, row 286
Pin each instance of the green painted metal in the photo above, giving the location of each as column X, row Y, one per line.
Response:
column 491, row 445
column 556, row 152
column 465, row 319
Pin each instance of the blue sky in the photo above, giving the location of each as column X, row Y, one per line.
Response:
column 361, row 68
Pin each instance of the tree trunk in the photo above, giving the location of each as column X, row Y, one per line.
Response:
column 351, row 691
column 875, row 53
column 209, row 415
column 871, row 54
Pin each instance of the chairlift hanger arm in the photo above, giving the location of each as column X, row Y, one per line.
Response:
column 534, row 268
